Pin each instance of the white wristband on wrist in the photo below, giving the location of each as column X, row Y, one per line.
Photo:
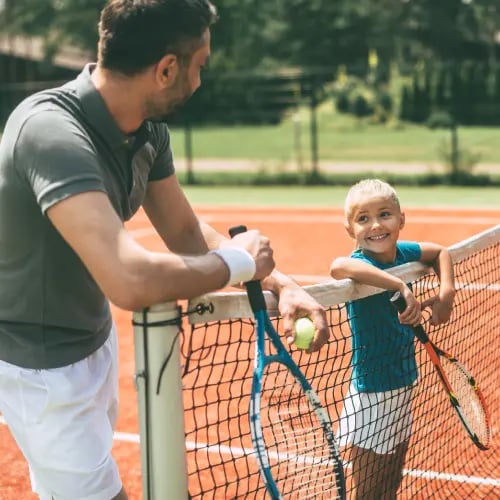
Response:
column 239, row 262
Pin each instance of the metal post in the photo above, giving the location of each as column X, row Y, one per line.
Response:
column 161, row 414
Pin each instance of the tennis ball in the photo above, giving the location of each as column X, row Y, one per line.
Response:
column 304, row 333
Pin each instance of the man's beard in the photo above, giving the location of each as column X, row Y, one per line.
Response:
column 160, row 111
column 161, row 115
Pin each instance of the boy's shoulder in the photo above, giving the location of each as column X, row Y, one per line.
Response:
column 406, row 251
column 403, row 244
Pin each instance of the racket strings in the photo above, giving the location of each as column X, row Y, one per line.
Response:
column 469, row 399
column 298, row 450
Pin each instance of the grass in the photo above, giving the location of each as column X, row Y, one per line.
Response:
column 340, row 138
column 331, row 196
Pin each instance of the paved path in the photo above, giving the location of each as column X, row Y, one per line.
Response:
column 208, row 164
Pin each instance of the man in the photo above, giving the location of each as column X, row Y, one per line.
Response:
column 75, row 163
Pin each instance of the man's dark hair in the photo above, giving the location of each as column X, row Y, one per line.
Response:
column 135, row 34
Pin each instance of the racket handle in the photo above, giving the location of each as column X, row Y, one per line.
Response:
column 254, row 288
column 233, row 231
column 398, row 301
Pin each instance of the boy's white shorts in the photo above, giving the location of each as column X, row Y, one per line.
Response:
column 377, row 421
column 63, row 421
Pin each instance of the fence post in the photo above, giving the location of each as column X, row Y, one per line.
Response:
column 314, row 129
column 188, row 150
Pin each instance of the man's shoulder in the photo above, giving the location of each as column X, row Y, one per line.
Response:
column 45, row 106
column 57, row 98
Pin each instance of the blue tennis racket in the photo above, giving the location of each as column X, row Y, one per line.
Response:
column 292, row 435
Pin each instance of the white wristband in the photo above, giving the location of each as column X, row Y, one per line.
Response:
column 239, row 262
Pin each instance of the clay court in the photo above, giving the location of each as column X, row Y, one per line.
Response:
column 305, row 241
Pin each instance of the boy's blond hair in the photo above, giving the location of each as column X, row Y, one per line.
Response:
column 369, row 188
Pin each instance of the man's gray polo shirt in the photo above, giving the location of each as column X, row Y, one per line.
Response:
column 58, row 143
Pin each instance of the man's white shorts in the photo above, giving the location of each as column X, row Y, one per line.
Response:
column 377, row 421
column 63, row 421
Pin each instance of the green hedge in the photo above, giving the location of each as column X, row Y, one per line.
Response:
column 264, row 178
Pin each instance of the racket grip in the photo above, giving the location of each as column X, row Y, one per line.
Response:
column 233, row 231
column 254, row 288
column 398, row 301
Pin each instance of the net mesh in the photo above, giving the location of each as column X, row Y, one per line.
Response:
column 441, row 462
column 296, row 445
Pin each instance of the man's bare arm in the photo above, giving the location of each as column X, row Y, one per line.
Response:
column 128, row 274
column 165, row 197
column 175, row 221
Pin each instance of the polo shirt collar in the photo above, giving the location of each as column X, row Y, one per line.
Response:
column 98, row 114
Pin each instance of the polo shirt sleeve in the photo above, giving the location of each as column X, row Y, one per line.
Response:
column 55, row 158
column 410, row 251
column 163, row 165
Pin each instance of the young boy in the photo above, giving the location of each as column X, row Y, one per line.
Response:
column 376, row 419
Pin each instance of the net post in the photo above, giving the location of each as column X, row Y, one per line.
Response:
column 161, row 416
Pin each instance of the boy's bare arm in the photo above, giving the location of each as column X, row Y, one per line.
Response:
column 439, row 258
column 362, row 272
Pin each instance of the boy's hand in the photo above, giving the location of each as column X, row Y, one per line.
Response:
column 441, row 309
column 412, row 315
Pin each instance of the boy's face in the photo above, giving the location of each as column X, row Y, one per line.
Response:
column 374, row 223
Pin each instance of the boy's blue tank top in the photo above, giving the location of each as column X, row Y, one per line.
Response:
column 383, row 349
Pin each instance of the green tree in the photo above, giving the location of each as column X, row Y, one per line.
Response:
column 58, row 22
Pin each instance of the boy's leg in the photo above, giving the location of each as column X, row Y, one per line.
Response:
column 121, row 496
column 63, row 420
column 365, row 474
column 377, row 476
column 374, row 431
column 393, row 471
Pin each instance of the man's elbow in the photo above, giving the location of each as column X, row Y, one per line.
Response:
column 130, row 291
column 128, row 299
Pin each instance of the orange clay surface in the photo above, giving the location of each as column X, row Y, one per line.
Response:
column 305, row 241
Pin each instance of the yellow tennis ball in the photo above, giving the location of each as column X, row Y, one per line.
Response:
column 304, row 333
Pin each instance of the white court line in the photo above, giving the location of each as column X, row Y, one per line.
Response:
column 239, row 452
column 310, row 218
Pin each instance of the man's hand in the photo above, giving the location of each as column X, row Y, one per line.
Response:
column 259, row 248
column 294, row 303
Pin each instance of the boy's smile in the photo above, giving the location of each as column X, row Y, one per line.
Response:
column 375, row 224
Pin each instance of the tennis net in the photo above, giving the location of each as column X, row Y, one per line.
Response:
column 217, row 351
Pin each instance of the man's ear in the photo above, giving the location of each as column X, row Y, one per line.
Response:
column 166, row 70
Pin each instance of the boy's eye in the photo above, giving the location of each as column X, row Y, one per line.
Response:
column 362, row 218
column 385, row 214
